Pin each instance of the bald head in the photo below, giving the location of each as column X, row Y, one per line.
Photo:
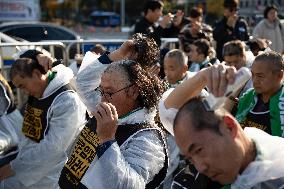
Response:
column 179, row 56
column 193, row 114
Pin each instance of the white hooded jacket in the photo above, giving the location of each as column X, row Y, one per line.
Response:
column 131, row 165
column 10, row 124
column 267, row 170
column 38, row 165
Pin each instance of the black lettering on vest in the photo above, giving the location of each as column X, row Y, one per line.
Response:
column 35, row 124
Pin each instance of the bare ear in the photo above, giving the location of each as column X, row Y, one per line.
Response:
column 280, row 74
column 133, row 92
column 185, row 67
column 36, row 73
column 231, row 125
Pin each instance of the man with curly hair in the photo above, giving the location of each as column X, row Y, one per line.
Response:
column 121, row 146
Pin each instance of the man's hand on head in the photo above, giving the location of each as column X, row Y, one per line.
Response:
column 123, row 52
column 45, row 61
column 218, row 77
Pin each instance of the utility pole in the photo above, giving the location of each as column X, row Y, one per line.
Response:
column 122, row 13
column 186, row 8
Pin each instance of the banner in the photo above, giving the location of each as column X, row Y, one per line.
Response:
column 19, row 10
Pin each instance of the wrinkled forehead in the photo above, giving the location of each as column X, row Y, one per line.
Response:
column 263, row 65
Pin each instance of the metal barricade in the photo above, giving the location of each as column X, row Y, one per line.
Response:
column 170, row 43
column 66, row 45
column 111, row 44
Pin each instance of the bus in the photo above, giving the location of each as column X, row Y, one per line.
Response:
column 105, row 19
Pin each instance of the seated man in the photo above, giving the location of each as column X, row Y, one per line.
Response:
column 52, row 119
column 218, row 147
column 199, row 55
column 10, row 123
column 123, row 148
column 215, row 142
column 261, row 107
column 175, row 67
column 235, row 54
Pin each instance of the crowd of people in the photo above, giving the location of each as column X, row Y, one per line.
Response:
column 138, row 117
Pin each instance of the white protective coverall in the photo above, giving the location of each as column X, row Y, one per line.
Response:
column 10, row 124
column 131, row 165
column 267, row 170
column 38, row 165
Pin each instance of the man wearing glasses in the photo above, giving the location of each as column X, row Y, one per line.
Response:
column 230, row 27
column 123, row 148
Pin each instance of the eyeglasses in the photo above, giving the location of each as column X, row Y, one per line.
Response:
column 108, row 95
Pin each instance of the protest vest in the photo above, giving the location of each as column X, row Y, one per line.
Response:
column 35, row 124
column 84, row 153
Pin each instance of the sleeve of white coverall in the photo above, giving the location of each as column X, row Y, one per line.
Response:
column 5, row 137
column 4, row 100
column 130, row 166
column 36, row 161
column 89, row 78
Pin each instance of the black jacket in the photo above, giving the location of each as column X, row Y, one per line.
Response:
column 154, row 30
column 223, row 33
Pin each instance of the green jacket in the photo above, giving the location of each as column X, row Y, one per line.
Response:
column 276, row 107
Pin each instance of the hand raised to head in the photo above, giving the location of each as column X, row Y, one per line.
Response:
column 123, row 52
column 107, row 118
column 45, row 61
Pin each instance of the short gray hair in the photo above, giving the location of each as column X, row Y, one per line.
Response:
column 274, row 59
column 178, row 55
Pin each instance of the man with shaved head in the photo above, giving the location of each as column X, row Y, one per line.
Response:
column 214, row 141
column 219, row 148
column 262, row 107
column 175, row 67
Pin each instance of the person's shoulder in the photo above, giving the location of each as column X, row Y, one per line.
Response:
column 67, row 100
column 242, row 20
column 206, row 27
column 248, row 94
column 141, row 21
column 221, row 21
column 261, row 23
